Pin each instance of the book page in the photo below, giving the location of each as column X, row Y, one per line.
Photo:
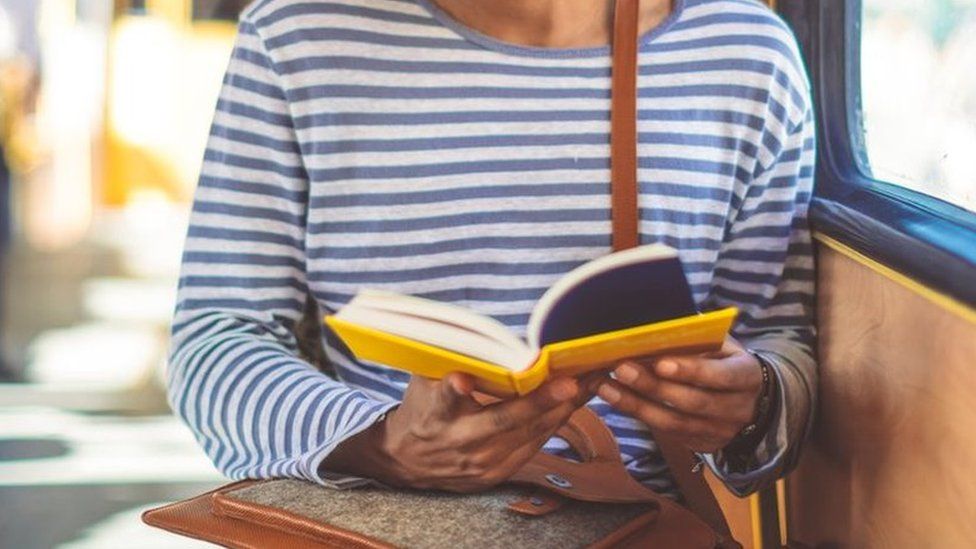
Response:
column 446, row 313
column 584, row 280
column 446, row 335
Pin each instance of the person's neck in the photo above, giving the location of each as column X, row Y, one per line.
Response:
column 549, row 23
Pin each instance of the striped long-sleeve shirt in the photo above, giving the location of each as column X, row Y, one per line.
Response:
column 379, row 143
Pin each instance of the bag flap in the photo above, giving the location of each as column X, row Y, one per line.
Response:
column 226, row 503
column 426, row 519
column 288, row 513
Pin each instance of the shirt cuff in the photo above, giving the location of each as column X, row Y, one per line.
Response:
column 340, row 481
column 766, row 461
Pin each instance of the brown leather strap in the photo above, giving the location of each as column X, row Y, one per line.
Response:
column 599, row 476
column 689, row 476
column 623, row 125
column 624, row 210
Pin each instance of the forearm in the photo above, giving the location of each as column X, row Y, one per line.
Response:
column 259, row 411
column 365, row 455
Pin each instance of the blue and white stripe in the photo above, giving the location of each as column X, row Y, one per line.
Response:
column 378, row 143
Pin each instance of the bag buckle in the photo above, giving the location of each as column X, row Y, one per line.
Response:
column 559, row 481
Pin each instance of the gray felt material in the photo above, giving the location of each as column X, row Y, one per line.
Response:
column 436, row 520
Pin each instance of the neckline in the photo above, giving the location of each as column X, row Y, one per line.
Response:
column 491, row 43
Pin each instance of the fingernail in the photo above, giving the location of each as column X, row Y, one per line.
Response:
column 667, row 367
column 458, row 385
column 627, row 373
column 564, row 389
column 609, row 393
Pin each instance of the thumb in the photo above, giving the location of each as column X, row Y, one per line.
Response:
column 453, row 395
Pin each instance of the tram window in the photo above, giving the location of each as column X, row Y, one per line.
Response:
column 220, row 10
column 918, row 94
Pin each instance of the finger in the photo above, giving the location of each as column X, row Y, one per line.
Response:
column 588, row 384
column 452, row 395
column 516, row 459
column 736, row 372
column 518, row 412
column 487, row 464
column 729, row 347
column 726, row 405
column 706, row 445
column 661, row 418
column 495, row 463
column 538, row 432
column 542, row 431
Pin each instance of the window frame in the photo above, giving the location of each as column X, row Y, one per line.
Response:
column 923, row 237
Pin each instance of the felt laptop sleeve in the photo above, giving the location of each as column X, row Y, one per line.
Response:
column 550, row 502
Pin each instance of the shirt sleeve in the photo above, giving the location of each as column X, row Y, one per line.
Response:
column 766, row 269
column 235, row 376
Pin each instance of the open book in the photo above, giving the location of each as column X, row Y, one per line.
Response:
column 628, row 304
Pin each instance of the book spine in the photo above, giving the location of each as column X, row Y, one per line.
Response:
column 529, row 379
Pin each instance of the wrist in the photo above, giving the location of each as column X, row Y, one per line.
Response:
column 367, row 454
column 767, row 401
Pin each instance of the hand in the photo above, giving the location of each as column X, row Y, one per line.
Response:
column 702, row 400
column 441, row 438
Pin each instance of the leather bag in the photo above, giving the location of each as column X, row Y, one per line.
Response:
column 549, row 502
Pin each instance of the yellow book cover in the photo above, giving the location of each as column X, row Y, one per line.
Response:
column 635, row 303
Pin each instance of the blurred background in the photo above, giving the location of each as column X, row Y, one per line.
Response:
column 104, row 112
column 918, row 95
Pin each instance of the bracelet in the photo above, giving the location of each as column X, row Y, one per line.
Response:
column 764, row 403
column 739, row 453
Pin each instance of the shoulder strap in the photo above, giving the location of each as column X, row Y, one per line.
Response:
column 623, row 173
column 623, row 125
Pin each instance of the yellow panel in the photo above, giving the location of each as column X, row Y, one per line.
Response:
column 945, row 302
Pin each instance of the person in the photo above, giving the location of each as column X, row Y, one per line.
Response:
column 459, row 150
column 8, row 43
column 223, row 10
column 11, row 92
column 19, row 88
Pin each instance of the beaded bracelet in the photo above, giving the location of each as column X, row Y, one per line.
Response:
column 764, row 402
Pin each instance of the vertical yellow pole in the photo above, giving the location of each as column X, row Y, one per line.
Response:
column 755, row 512
column 781, row 507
